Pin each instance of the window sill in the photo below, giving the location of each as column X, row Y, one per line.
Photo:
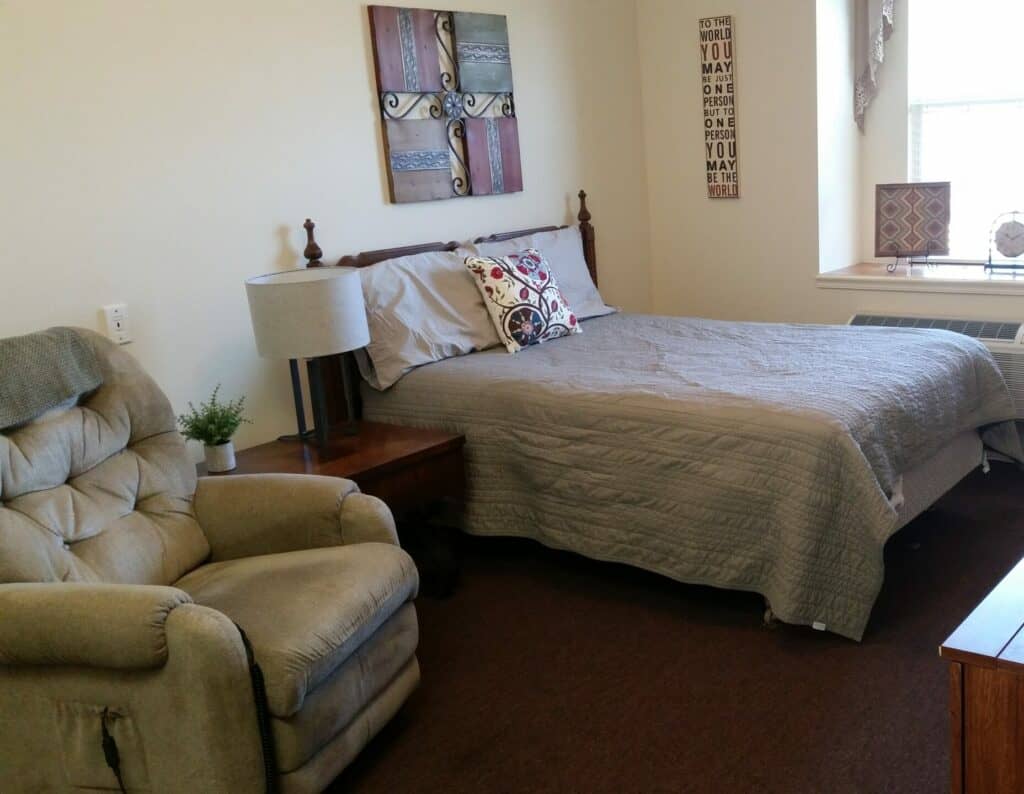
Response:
column 957, row 279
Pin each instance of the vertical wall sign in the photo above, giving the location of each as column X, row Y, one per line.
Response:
column 718, row 97
column 444, row 79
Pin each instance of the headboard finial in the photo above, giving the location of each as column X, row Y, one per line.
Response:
column 584, row 213
column 587, row 233
column 312, row 251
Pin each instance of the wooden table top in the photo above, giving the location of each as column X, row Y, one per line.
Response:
column 993, row 634
column 376, row 449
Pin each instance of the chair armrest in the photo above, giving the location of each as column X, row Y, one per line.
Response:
column 251, row 514
column 366, row 519
column 190, row 725
column 114, row 626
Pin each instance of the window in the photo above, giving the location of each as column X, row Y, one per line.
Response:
column 966, row 89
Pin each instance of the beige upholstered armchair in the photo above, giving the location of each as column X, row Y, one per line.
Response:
column 133, row 600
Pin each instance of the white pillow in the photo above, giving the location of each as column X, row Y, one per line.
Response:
column 563, row 249
column 420, row 309
column 521, row 293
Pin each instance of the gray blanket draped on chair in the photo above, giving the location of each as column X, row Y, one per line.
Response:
column 42, row 370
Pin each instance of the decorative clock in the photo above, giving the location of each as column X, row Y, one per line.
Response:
column 1007, row 237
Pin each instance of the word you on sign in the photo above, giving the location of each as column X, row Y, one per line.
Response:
column 718, row 98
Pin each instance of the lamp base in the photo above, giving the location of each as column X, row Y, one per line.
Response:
column 321, row 429
column 350, row 428
column 347, row 429
column 303, row 437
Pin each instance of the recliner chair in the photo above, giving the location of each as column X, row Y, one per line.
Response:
column 127, row 586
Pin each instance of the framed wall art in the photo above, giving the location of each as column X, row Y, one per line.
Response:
column 444, row 81
column 912, row 219
column 718, row 100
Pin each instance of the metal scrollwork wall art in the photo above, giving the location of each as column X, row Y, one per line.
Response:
column 445, row 84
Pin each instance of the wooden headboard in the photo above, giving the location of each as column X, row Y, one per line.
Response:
column 333, row 365
column 313, row 252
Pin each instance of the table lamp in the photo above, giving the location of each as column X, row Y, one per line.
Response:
column 309, row 314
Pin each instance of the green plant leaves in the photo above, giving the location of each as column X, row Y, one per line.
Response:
column 214, row 422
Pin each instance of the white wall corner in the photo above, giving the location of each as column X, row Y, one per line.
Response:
column 839, row 144
column 885, row 140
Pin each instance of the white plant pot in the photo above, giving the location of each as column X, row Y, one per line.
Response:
column 221, row 457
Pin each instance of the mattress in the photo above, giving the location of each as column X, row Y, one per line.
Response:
column 923, row 485
column 751, row 456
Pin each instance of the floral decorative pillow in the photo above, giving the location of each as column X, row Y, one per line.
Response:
column 523, row 298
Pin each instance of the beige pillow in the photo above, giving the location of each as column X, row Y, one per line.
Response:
column 420, row 309
column 563, row 249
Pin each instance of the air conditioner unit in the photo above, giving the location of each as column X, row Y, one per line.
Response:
column 1005, row 340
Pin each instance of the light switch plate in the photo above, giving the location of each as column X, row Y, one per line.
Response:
column 116, row 316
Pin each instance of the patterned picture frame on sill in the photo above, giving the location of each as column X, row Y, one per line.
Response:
column 912, row 219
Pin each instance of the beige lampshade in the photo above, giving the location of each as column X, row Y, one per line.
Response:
column 307, row 313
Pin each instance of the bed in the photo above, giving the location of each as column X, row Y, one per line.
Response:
column 764, row 457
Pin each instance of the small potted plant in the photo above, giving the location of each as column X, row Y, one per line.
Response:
column 214, row 423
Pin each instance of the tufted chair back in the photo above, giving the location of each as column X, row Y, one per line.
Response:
column 100, row 491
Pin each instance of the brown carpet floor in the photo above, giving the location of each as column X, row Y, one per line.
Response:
column 548, row 672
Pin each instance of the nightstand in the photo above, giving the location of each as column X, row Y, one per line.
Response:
column 417, row 472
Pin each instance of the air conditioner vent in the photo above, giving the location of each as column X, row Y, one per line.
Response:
column 976, row 329
column 1012, row 366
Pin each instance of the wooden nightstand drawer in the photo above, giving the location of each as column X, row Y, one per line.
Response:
column 431, row 480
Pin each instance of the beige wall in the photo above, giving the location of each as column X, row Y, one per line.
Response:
column 839, row 140
column 757, row 257
column 160, row 151
column 752, row 257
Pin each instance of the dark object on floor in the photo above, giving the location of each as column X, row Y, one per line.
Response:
column 434, row 548
column 548, row 672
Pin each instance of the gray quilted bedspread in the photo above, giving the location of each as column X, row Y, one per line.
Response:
column 742, row 455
